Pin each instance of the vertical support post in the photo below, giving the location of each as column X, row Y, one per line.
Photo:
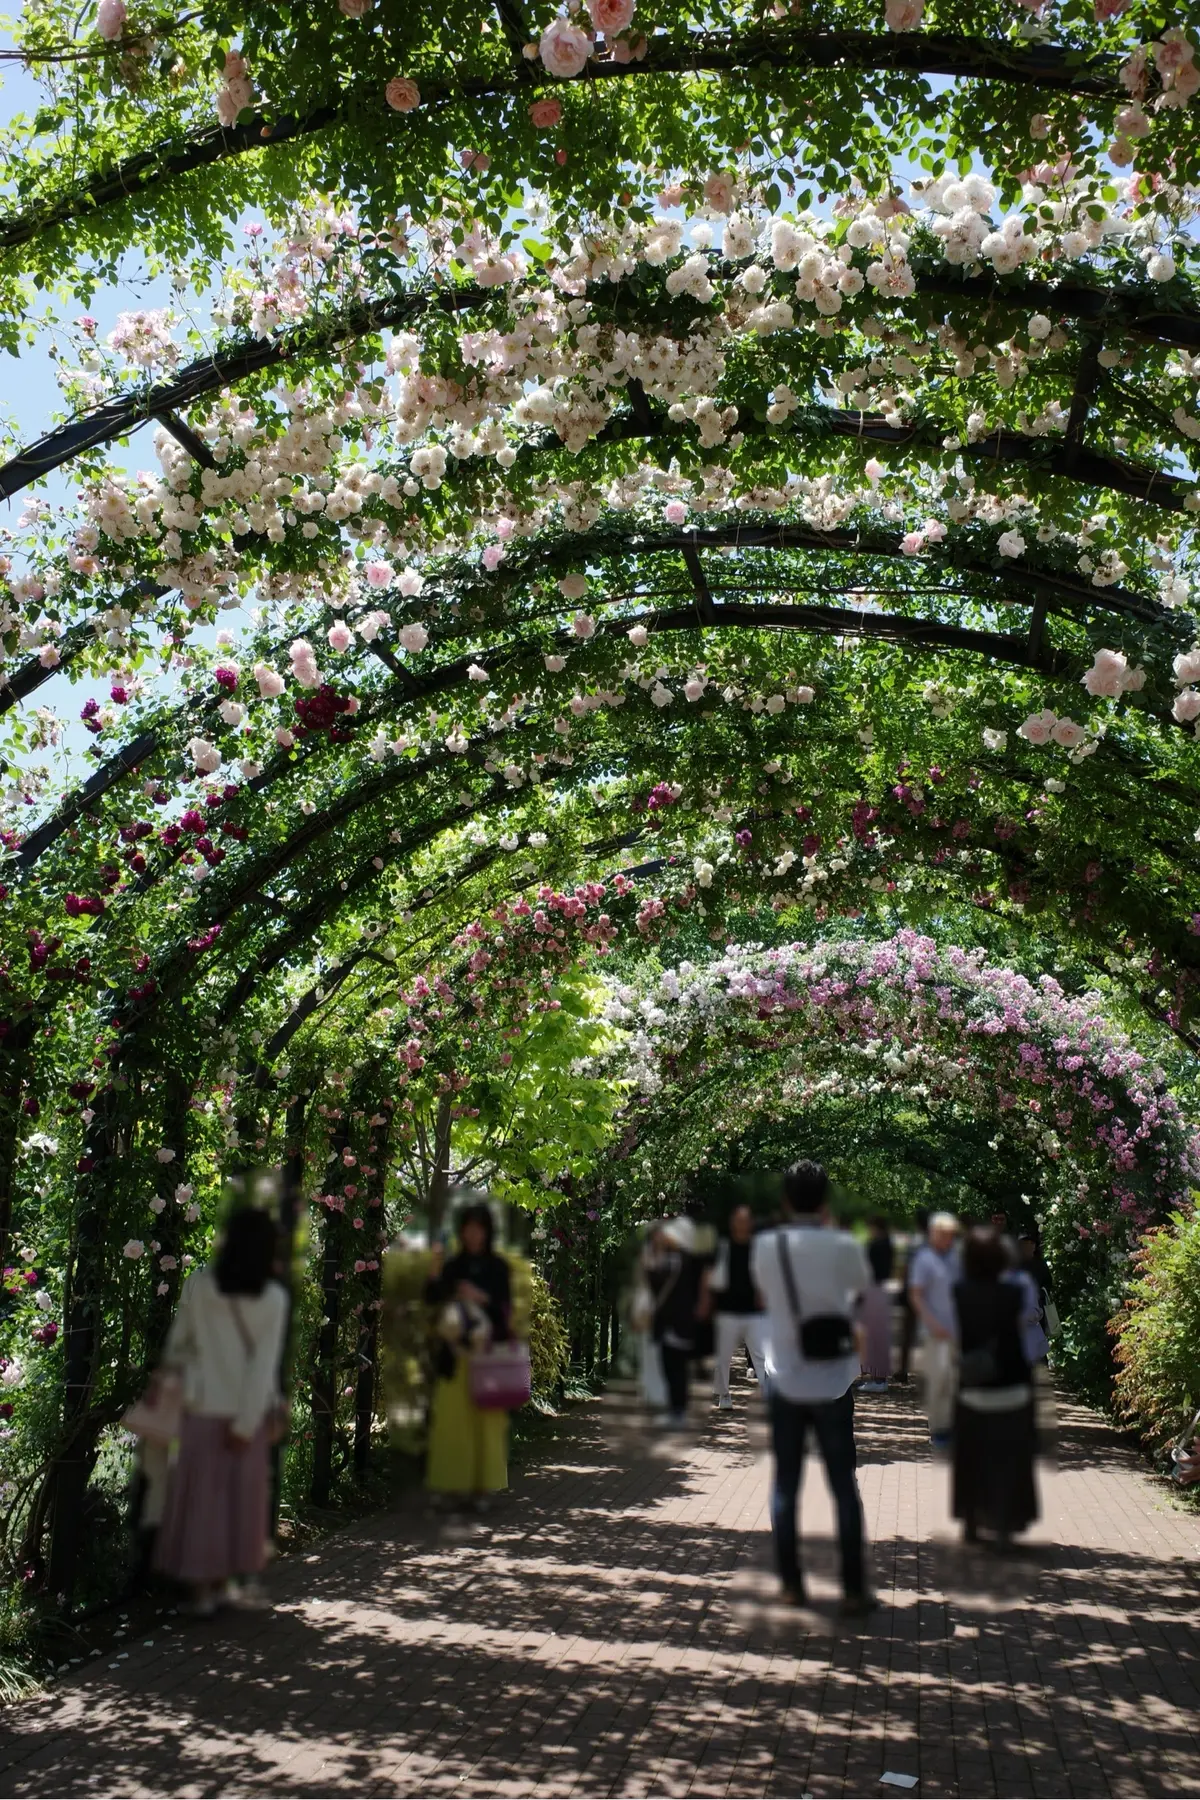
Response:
column 84, row 1322
column 290, row 1187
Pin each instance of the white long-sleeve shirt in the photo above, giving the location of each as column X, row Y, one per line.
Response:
column 228, row 1373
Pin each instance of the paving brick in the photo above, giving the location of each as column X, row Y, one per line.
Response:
column 613, row 1631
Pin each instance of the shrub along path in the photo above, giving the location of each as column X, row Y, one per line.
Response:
column 612, row 1630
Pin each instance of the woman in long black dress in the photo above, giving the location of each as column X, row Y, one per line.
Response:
column 994, row 1431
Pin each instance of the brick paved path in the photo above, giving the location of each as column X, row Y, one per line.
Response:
column 612, row 1631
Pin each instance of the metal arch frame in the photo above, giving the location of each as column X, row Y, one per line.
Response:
column 713, row 52
column 1045, row 584
column 1122, row 307
column 709, row 613
column 177, row 961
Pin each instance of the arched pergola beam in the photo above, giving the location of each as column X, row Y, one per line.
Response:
column 1024, row 581
column 1124, row 307
column 921, row 633
column 925, row 634
column 1069, row 462
column 1026, row 584
column 29, row 677
column 1041, row 67
column 209, row 374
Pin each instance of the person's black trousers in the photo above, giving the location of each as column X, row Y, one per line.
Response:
column 676, row 1364
column 832, row 1422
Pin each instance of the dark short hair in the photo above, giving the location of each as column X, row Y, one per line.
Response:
column 478, row 1213
column 877, row 1222
column 984, row 1255
column 805, row 1186
column 246, row 1259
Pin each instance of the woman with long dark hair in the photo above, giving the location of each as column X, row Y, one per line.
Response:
column 468, row 1444
column 225, row 1343
column 994, row 1427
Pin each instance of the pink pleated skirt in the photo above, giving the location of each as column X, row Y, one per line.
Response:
column 877, row 1318
column 216, row 1519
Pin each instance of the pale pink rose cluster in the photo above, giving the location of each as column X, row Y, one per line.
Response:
column 1175, row 60
column 1047, row 728
column 110, row 19
column 270, row 684
column 304, row 664
column 206, row 758
column 1110, row 676
column 1187, row 670
column 236, row 92
column 913, row 542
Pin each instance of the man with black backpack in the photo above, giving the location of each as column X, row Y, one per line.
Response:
column 811, row 1279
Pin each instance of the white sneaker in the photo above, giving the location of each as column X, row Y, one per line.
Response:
column 723, row 1403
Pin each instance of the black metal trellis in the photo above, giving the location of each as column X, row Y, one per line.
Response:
column 730, row 52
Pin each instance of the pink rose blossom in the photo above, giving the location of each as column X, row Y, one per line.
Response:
column 110, row 19
column 903, row 15
column 611, row 16
column 564, row 49
column 493, row 556
column 1110, row 676
column 675, row 512
column 546, row 114
column 718, row 192
column 378, row 574
column 402, row 95
column 583, row 625
column 1037, row 727
column 340, row 636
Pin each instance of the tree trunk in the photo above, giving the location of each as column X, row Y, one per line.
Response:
column 439, row 1180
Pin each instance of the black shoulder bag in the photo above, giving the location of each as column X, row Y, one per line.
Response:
column 825, row 1337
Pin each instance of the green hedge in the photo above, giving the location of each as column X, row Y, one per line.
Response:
column 1158, row 1333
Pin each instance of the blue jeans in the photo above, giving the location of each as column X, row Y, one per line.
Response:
column 833, row 1423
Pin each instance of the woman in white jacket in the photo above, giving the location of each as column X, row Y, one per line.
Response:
column 225, row 1343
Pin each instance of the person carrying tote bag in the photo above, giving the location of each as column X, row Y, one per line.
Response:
column 480, row 1367
column 224, row 1348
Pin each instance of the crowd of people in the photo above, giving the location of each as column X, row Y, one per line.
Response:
column 814, row 1307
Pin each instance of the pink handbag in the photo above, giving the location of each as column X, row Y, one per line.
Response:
column 500, row 1377
column 158, row 1416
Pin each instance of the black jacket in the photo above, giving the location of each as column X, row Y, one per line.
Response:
column 989, row 1314
column 490, row 1274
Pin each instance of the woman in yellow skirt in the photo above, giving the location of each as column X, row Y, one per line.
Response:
column 468, row 1444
